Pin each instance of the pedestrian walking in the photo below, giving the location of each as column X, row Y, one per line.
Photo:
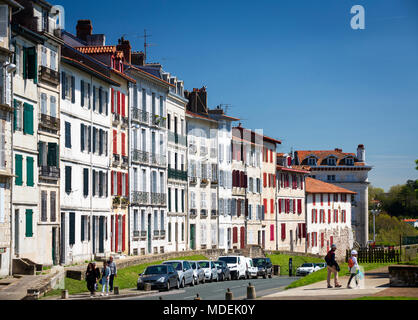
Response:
column 97, row 271
column 105, row 278
column 113, row 272
column 91, row 279
column 353, row 268
column 332, row 267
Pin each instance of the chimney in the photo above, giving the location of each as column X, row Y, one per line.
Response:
column 198, row 101
column 125, row 47
column 138, row 58
column 84, row 29
column 338, row 150
column 361, row 153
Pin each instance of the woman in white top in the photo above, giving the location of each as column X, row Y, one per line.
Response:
column 353, row 269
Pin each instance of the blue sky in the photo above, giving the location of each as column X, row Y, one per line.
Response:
column 292, row 67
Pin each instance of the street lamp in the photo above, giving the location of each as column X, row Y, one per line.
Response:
column 375, row 212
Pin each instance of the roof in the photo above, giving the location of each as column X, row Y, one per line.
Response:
column 97, row 49
column 322, row 155
column 130, row 66
column 265, row 138
column 198, row 115
column 88, row 69
column 291, row 169
column 318, row 186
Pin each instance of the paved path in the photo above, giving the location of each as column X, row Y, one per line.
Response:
column 375, row 281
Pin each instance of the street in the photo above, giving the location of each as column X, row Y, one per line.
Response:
column 216, row 290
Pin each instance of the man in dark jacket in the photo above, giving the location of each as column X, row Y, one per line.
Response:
column 332, row 266
column 113, row 272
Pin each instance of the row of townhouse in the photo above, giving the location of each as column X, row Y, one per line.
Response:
column 102, row 153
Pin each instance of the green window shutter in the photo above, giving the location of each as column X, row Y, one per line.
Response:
column 15, row 115
column 169, row 199
column 86, row 182
column 72, row 228
column 18, row 168
column 67, row 179
column 32, row 64
column 52, row 154
column 29, row 171
column 25, row 62
column 40, row 154
column 82, row 227
column 29, row 223
column 28, row 118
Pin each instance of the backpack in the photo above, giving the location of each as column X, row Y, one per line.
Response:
column 328, row 258
column 350, row 263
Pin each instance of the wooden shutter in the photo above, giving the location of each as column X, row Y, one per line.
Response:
column 313, row 215
column 126, row 184
column 119, row 175
column 235, row 235
column 123, row 143
column 86, row 182
column 329, row 215
column 123, row 232
column 123, row 105
column 72, row 228
column 89, row 138
column 67, row 179
column 271, row 205
column 82, row 137
column 29, row 171
column 283, row 231
column 28, row 118
column 272, row 232
column 29, row 223
column 18, row 170
column 112, row 99
column 32, row 64
column 314, row 198
column 72, row 89
column 100, row 100
column 82, row 92
column 118, row 98
column 280, row 205
column 82, row 227
column 63, row 83
column 265, row 179
column 265, row 205
column 115, row 142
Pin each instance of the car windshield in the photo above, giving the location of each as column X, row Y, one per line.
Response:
column 306, row 265
column 219, row 264
column 176, row 265
column 228, row 259
column 193, row 265
column 156, row 270
column 259, row 261
column 204, row 264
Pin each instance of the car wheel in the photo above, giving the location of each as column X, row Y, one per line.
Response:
column 204, row 280
column 196, row 281
column 271, row 275
column 192, row 283
column 182, row 283
column 168, row 285
column 265, row 275
column 178, row 284
column 229, row 277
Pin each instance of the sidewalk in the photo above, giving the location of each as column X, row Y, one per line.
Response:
column 375, row 282
column 124, row 293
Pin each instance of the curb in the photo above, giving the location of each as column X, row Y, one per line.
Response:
column 110, row 297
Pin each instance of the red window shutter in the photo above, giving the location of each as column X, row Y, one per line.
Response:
column 299, row 206
column 119, row 183
column 123, row 144
column 329, row 215
column 304, row 230
column 246, row 207
column 265, row 205
column 337, row 216
column 265, row 179
column 331, row 240
column 235, row 235
column 126, row 184
column 313, row 215
column 115, row 142
column 123, row 232
column 238, row 207
column 118, row 98
column 329, row 199
column 271, row 156
column 322, row 239
column 123, row 105
column 112, row 181
column 274, row 180
column 116, row 232
column 283, row 231
column 313, row 239
column 289, row 161
column 271, row 205
column 280, row 206
column 242, row 179
column 272, row 232
column 112, row 99
column 316, row 216
column 294, row 205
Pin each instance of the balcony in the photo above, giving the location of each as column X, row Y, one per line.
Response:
column 124, row 202
column 139, row 156
column 125, row 122
column 48, row 75
column 156, row 233
column 203, row 214
column 204, row 181
column 158, row 199
column 136, row 233
column 47, row 172
column 116, row 201
column 192, row 180
column 158, row 160
column 140, row 116
column 162, row 234
column 143, row 234
column 115, row 119
column 116, row 160
column 177, row 174
column 213, row 153
column 125, row 161
column 193, row 213
column 140, row 197
column 214, row 214
column 177, row 138
column 48, row 123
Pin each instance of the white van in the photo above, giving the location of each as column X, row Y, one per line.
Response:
column 251, row 270
column 237, row 266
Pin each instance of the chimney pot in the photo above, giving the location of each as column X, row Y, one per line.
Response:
column 84, row 28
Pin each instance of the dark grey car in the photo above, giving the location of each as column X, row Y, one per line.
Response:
column 159, row 276
column 264, row 266
column 223, row 270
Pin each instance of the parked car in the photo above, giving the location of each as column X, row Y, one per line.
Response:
column 251, row 270
column 305, row 269
column 223, row 270
column 211, row 272
column 198, row 273
column 184, row 271
column 264, row 267
column 237, row 266
column 320, row 266
column 159, row 276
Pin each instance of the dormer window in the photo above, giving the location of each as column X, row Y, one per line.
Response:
column 332, row 161
column 349, row 161
column 312, row 161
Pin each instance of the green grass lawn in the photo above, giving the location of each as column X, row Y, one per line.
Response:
column 126, row 278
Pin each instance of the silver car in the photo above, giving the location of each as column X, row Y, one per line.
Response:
column 211, row 272
column 184, row 271
column 198, row 273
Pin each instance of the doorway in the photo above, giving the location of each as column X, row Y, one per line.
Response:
column 263, row 239
column 16, row 247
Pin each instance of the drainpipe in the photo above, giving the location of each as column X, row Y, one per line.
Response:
column 91, row 168
column 11, row 179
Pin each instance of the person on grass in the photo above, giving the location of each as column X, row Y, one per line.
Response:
column 332, row 267
column 105, row 278
column 113, row 272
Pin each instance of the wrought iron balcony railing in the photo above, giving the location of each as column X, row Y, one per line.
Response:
column 158, row 198
column 115, row 118
column 140, row 156
column 49, row 75
column 116, row 159
column 193, row 213
column 140, row 197
column 156, row 233
column 177, row 174
column 158, row 160
column 213, row 213
column 177, row 138
column 125, row 161
column 49, row 172
column 203, row 213
column 49, row 122
column 140, row 115
column 125, row 121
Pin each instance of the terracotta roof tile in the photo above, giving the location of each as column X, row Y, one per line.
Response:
column 322, row 155
column 317, row 186
column 291, row 169
column 97, row 49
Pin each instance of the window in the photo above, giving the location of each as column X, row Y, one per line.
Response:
column 312, row 161
column 84, row 228
column 29, row 223
column 349, row 161
column 53, row 206
column 162, row 220
column 53, row 107
column 44, row 52
column 44, row 199
column 332, row 161
column 68, row 179
column 53, row 60
column 68, row 87
column 18, row 116
column 30, row 66
column 155, row 220
column 72, row 228
column 331, row 177
column 4, row 20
